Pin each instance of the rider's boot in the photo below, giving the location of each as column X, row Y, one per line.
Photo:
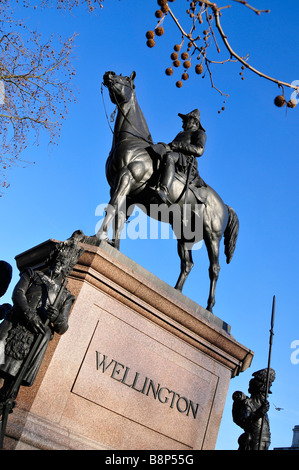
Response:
column 167, row 177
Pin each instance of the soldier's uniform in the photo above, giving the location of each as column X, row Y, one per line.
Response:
column 250, row 413
column 187, row 145
column 32, row 296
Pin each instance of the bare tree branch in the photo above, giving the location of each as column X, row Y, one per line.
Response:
column 212, row 12
column 258, row 12
column 240, row 59
column 35, row 78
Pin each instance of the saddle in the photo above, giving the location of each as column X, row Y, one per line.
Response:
column 195, row 181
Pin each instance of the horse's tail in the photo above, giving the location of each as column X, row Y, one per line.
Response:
column 231, row 234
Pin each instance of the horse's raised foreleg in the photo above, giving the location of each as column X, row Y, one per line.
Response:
column 102, row 233
column 121, row 217
column 116, row 206
column 212, row 244
column 119, row 221
column 185, row 255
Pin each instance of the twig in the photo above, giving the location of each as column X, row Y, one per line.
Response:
column 239, row 58
column 207, row 61
column 216, row 13
column 258, row 12
column 212, row 31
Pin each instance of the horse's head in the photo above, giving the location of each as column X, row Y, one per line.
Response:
column 120, row 88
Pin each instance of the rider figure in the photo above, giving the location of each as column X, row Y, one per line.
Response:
column 187, row 144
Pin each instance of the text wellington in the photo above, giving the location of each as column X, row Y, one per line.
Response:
column 145, row 385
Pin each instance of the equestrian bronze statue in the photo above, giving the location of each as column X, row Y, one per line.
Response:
column 142, row 173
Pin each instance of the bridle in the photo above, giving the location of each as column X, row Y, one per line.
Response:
column 118, row 106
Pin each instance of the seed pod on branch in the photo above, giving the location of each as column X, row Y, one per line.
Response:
column 177, row 47
column 159, row 31
column 198, row 69
column 150, row 43
column 150, row 34
column 292, row 103
column 280, row 101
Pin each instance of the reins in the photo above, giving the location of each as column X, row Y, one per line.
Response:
column 106, row 109
column 118, row 106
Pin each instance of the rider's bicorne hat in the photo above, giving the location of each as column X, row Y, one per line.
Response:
column 195, row 114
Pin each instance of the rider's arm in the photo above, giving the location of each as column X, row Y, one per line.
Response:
column 195, row 146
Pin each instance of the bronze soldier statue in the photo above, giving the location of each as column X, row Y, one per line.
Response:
column 181, row 152
column 250, row 413
column 33, row 299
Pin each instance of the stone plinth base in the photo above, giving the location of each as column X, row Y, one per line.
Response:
column 140, row 367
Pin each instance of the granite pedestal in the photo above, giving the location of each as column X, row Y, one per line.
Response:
column 140, row 367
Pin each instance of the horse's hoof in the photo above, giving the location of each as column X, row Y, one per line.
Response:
column 106, row 240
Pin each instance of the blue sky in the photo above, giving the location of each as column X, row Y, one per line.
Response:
column 251, row 160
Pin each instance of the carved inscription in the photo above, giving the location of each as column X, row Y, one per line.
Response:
column 145, row 385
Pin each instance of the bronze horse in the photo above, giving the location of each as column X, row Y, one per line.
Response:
column 132, row 171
